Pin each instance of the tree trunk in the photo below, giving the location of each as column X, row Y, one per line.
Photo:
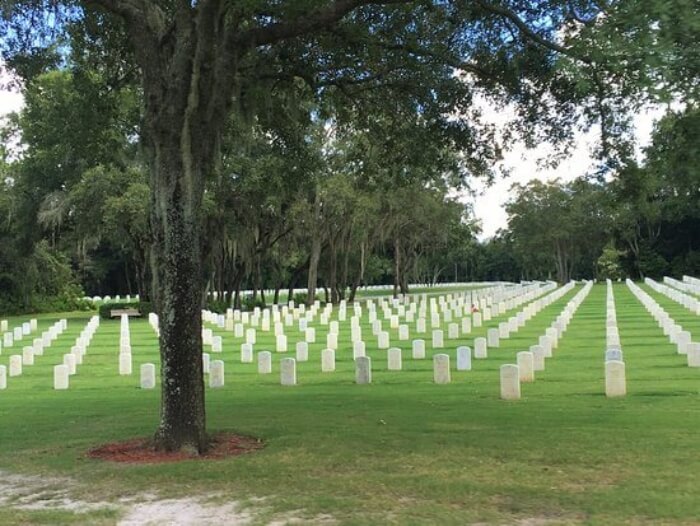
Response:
column 360, row 274
column 293, row 279
column 237, row 290
column 177, row 187
column 333, row 278
column 397, row 266
column 276, row 298
column 315, row 257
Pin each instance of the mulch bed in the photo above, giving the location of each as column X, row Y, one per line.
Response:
column 142, row 451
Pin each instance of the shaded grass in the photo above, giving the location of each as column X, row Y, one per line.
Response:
column 401, row 450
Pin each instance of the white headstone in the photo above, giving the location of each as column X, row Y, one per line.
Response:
column 441, row 368
column 70, row 361
column 332, row 341
column 358, row 349
column 693, row 354
column 124, row 364
column 538, row 357
column 394, row 359
column 246, row 353
column 327, row 360
column 438, row 339
column 464, row 359
column 264, row 362
column 363, row 370
column 403, row 332
column 546, row 344
column 3, row 377
column 288, row 371
column 476, row 319
column 383, row 341
column 526, row 366
column 492, row 338
column 480, row 348
column 418, row 349
column 453, row 331
column 614, row 355
column 250, row 335
column 281, row 343
column 510, row 382
column 310, row 335
column 216, row 374
column 302, row 351
column 206, row 363
column 148, row 376
column 615, row 384
column 466, row 325
column 60, row 377
column 28, row 356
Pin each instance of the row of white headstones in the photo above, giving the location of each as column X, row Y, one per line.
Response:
column 689, row 302
column 29, row 352
column 17, row 334
column 615, row 381
column 447, row 306
column 512, row 375
column 70, row 361
column 495, row 301
column 682, row 339
column 528, row 361
column 689, row 284
column 63, row 371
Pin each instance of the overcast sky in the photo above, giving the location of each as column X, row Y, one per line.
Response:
column 522, row 163
column 488, row 204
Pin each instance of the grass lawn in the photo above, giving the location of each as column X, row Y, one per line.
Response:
column 400, row 451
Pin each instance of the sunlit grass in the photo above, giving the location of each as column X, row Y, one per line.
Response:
column 402, row 450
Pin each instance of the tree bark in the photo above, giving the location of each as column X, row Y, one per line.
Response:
column 360, row 274
column 397, row 266
column 176, row 256
column 333, row 277
column 316, row 246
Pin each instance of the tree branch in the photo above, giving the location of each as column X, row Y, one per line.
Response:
column 129, row 10
column 527, row 31
column 314, row 21
column 142, row 13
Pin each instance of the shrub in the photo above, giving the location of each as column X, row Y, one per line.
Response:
column 248, row 303
column 300, row 298
column 219, row 306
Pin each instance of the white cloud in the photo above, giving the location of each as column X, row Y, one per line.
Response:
column 522, row 163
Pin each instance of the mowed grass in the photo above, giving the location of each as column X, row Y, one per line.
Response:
column 400, row 451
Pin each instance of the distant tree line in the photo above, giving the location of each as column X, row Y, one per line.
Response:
column 294, row 205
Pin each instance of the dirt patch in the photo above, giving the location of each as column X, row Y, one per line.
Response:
column 142, row 451
column 184, row 512
column 33, row 492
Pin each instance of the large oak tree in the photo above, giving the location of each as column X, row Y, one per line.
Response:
column 202, row 62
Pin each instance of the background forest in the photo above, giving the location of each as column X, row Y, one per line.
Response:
column 316, row 192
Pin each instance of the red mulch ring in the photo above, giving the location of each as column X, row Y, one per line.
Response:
column 142, row 450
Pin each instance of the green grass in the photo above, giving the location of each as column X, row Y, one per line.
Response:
column 399, row 451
